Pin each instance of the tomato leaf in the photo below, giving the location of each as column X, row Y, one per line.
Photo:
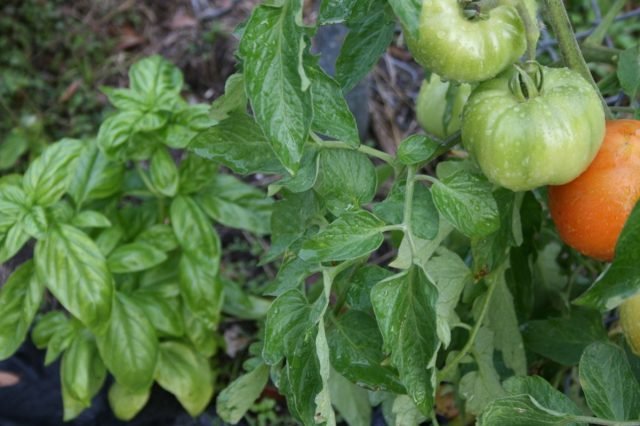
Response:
column 351, row 400
column 502, row 320
column 76, row 272
column 186, row 374
column 288, row 318
column 481, row 386
column 239, row 144
column 424, row 216
column 466, row 201
column 306, row 176
column 271, row 48
column 331, row 114
column 629, row 71
column 622, row 279
column 545, row 394
column 450, row 274
column 417, row 149
column 234, row 98
column 20, row 299
column 356, row 352
column 346, row 179
column 408, row 11
column 129, row 346
column 361, row 282
column 405, row 308
column 47, row 178
column 371, row 26
column 352, row 235
column 609, row 386
column 292, row 217
column 490, row 251
column 521, row 410
column 335, row 11
column 564, row 339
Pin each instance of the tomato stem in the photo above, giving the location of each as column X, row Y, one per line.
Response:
column 531, row 29
column 492, row 280
column 569, row 49
column 598, row 35
column 372, row 152
column 408, row 208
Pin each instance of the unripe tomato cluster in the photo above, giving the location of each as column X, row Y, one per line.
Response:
column 526, row 126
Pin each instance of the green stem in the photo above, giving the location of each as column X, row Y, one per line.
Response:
column 531, row 30
column 603, row 54
column 474, row 332
column 377, row 154
column 569, row 48
column 449, row 143
column 627, row 110
column 425, row 178
column 362, row 148
column 408, row 208
column 600, row 32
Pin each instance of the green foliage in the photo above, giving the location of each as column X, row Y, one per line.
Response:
column 387, row 292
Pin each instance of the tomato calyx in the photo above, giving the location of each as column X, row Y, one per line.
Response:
column 476, row 10
column 527, row 81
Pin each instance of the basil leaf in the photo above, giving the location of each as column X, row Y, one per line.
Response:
column 20, row 299
column 76, row 272
column 135, row 257
column 129, row 345
column 186, row 374
column 48, row 176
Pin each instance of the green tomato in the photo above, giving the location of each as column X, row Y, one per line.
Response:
column 439, row 106
column 630, row 320
column 526, row 133
column 464, row 49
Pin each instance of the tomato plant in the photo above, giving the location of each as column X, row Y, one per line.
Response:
column 411, row 280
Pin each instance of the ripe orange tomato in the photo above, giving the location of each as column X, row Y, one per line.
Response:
column 591, row 210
